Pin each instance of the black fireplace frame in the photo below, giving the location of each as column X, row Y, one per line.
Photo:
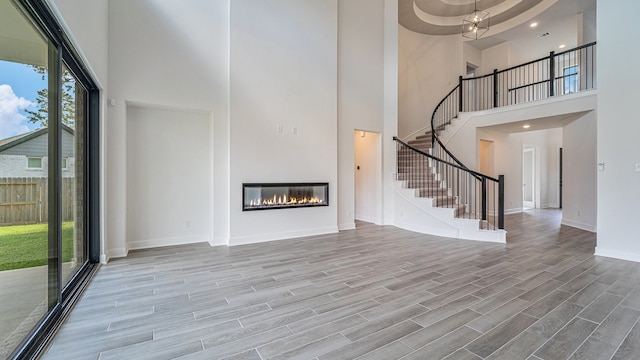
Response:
column 325, row 185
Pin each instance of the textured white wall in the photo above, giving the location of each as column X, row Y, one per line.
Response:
column 618, row 129
column 169, row 178
column 579, row 183
column 361, row 62
column 429, row 67
column 163, row 53
column 284, row 70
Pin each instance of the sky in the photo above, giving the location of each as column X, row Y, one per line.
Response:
column 19, row 86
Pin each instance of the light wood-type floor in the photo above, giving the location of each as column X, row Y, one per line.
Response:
column 377, row 292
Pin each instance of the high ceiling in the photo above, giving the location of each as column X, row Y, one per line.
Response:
column 508, row 17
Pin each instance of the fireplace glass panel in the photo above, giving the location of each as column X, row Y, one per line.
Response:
column 284, row 195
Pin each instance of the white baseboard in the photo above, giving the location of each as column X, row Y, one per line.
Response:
column 553, row 206
column 347, row 226
column 152, row 243
column 450, row 232
column 622, row 255
column 253, row 239
column 579, row 225
column 219, row 241
column 103, row 259
column 117, row 253
column 512, row 211
column 369, row 219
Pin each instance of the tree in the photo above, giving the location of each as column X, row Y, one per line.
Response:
column 40, row 115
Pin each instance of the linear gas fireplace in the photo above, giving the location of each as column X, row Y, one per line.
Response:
column 284, row 195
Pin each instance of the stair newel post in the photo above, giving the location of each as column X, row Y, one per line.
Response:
column 460, row 97
column 484, row 198
column 552, row 74
column 495, row 88
column 500, row 202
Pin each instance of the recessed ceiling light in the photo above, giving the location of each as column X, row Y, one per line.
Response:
column 562, row 46
column 534, row 24
column 526, row 126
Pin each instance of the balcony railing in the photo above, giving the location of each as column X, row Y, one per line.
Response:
column 561, row 73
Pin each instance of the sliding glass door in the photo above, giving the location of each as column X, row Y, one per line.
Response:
column 46, row 188
column 25, row 89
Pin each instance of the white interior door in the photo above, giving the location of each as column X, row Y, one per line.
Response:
column 367, row 177
column 528, row 178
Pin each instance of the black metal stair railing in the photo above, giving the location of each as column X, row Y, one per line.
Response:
column 471, row 194
column 558, row 74
column 563, row 73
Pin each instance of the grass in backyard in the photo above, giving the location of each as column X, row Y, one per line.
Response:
column 23, row 246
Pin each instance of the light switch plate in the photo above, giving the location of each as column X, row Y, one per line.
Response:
column 637, row 167
column 601, row 166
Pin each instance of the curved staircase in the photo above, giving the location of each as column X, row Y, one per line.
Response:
column 444, row 196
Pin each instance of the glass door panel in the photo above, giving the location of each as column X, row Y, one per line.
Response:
column 74, row 114
column 25, row 252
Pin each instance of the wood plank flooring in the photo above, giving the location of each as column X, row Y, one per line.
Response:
column 377, row 292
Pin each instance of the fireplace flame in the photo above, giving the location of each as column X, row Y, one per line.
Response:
column 283, row 200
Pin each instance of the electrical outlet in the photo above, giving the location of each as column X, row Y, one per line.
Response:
column 637, row 167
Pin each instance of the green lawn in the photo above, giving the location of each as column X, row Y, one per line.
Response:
column 23, row 246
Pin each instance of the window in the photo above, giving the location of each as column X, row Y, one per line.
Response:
column 570, row 79
column 34, row 163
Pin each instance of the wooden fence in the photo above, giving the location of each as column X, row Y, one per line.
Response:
column 25, row 200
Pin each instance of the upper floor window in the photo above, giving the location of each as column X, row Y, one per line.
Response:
column 570, row 79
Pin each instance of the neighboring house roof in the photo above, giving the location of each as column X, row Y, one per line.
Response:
column 10, row 142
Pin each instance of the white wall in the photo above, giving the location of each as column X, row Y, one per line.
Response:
column 589, row 26
column 508, row 162
column 164, row 53
column 568, row 31
column 368, row 169
column 391, row 106
column 618, row 129
column 361, row 61
column 471, row 55
column 496, row 57
column 579, row 187
column 169, row 177
column 283, row 73
column 429, row 67
column 87, row 24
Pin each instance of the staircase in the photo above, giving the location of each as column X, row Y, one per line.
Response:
column 452, row 197
column 438, row 192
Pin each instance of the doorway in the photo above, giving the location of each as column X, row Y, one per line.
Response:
column 560, row 182
column 487, row 157
column 367, row 176
column 528, row 178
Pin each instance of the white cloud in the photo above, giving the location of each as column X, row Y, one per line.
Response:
column 12, row 122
